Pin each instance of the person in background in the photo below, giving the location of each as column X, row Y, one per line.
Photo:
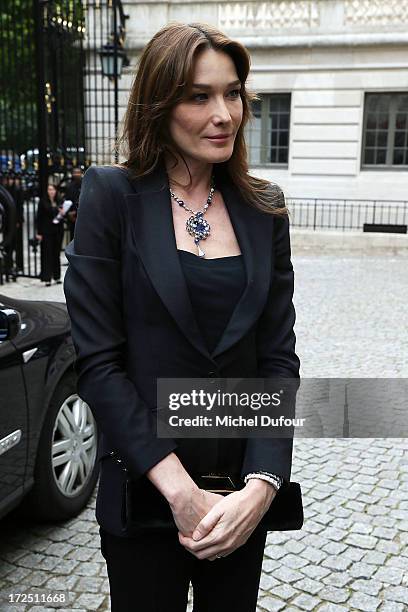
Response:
column 11, row 183
column 72, row 193
column 50, row 231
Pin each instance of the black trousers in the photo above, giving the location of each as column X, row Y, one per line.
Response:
column 152, row 573
column 52, row 244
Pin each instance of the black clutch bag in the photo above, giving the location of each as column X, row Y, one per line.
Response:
column 144, row 508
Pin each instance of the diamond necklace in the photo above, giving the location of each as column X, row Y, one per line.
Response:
column 196, row 225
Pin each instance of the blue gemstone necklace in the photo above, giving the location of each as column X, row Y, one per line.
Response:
column 196, row 225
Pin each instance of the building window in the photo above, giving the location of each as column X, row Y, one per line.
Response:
column 385, row 138
column 267, row 134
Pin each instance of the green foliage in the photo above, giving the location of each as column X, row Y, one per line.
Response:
column 17, row 74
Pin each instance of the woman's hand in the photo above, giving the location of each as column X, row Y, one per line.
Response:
column 191, row 507
column 230, row 522
column 188, row 503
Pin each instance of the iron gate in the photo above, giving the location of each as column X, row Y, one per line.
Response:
column 57, row 109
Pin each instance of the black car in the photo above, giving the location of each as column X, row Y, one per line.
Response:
column 48, row 436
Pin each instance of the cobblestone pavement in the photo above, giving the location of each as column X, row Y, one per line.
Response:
column 352, row 553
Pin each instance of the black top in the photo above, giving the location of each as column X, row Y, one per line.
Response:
column 215, row 286
column 46, row 212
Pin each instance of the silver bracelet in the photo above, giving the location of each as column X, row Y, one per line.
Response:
column 273, row 479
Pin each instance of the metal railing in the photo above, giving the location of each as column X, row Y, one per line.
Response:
column 343, row 214
column 66, row 114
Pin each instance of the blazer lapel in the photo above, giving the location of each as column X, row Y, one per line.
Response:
column 151, row 219
column 152, row 225
column 254, row 236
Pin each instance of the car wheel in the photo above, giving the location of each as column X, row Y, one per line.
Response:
column 66, row 470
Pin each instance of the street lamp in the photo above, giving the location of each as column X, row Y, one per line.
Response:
column 107, row 55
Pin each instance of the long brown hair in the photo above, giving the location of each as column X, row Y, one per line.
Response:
column 47, row 199
column 164, row 73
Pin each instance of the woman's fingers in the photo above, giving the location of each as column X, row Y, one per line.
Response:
column 204, row 552
column 211, row 553
column 213, row 538
column 224, row 515
column 207, row 523
column 222, row 549
column 236, row 520
column 221, row 538
column 189, row 514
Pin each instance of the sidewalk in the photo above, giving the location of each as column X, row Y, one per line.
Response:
column 348, row 242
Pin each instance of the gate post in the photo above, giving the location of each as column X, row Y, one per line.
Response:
column 40, row 8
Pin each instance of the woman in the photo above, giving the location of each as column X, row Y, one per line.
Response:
column 148, row 299
column 50, row 231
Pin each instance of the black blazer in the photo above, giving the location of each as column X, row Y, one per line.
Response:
column 132, row 322
column 45, row 215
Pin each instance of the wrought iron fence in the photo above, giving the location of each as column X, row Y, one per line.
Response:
column 345, row 214
column 58, row 105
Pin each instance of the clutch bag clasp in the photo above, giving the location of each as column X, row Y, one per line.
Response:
column 218, row 483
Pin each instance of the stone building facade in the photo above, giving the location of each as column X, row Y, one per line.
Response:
column 332, row 121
